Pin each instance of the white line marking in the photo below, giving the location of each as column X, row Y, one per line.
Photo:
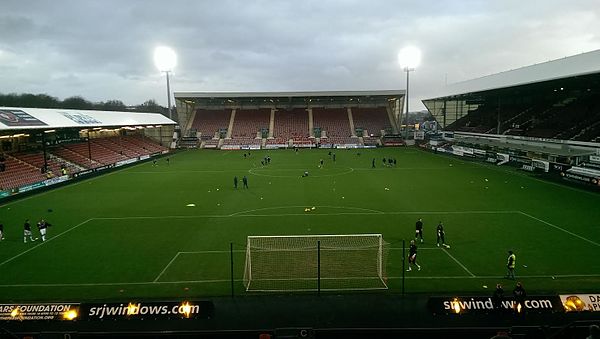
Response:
column 42, row 243
column 237, row 215
column 316, row 175
column 503, row 278
column 304, row 206
column 513, row 172
column 166, row 267
column 124, row 283
column 239, row 280
column 459, row 263
column 561, row 229
column 81, row 181
column 209, row 252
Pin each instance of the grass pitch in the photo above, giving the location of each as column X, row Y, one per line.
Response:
column 131, row 233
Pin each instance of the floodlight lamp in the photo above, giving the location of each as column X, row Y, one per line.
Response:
column 409, row 57
column 165, row 59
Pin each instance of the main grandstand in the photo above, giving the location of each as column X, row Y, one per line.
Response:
column 289, row 119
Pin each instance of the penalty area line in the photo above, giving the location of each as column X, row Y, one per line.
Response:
column 560, row 229
column 459, row 263
column 45, row 242
column 166, row 267
column 240, row 280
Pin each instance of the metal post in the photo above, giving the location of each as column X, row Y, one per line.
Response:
column 319, row 267
column 44, row 148
column 169, row 95
column 498, row 128
column 403, row 263
column 231, row 257
column 407, row 76
column 89, row 147
column 161, row 135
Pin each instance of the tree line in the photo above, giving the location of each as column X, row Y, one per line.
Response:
column 76, row 102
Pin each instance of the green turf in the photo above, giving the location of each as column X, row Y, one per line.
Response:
column 129, row 233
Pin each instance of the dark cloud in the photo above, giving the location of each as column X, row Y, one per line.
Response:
column 103, row 49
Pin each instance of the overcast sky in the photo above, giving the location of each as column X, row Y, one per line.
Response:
column 103, row 49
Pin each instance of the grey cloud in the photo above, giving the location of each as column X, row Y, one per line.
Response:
column 103, row 49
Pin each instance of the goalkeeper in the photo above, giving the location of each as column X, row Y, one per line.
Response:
column 412, row 256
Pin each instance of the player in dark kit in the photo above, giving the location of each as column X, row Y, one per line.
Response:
column 245, row 181
column 235, row 181
column 510, row 265
column 1, row 231
column 27, row 232
column 42, row 227
column 412, row 256
column 441, row 235
column 419, row 229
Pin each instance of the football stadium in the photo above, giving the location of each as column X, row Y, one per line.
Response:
column 293, row 214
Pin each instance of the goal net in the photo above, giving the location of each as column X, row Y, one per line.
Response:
column 303, row 262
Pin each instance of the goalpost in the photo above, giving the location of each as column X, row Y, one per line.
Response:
column 307, row 262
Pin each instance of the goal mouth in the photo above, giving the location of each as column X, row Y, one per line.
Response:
column 347, row 262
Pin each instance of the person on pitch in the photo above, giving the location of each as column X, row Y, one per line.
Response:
column 510, row 265
column 419, row 229
column 412, row 256
column 27, row 232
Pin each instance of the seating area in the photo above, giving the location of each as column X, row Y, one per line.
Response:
column 55, row 164
column 77, row 154
column 211, row 143
column 250, row 127
column 106, row 151
column 208, row 122
column 370, row 141
column 291, row 124
column 565, row 117
column 332, row 120
column 25, row 168
column 278, row 141
column 248, row 123
column 242, row 141
column 373, row 120
column 142, row 145
column 303, row 142
column 340, row 141
column 18, row 173
column 392, row 140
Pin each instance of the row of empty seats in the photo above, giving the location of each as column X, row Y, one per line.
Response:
column 332, row 120
column 18, row 173
column 288, row 124
column 248, row 123
column 27, row 168
column 564, row 116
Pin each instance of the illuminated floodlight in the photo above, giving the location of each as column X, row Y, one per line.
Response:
column 165, row 58
column 409, row 57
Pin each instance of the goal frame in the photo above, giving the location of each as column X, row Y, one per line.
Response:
column 381, row 261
